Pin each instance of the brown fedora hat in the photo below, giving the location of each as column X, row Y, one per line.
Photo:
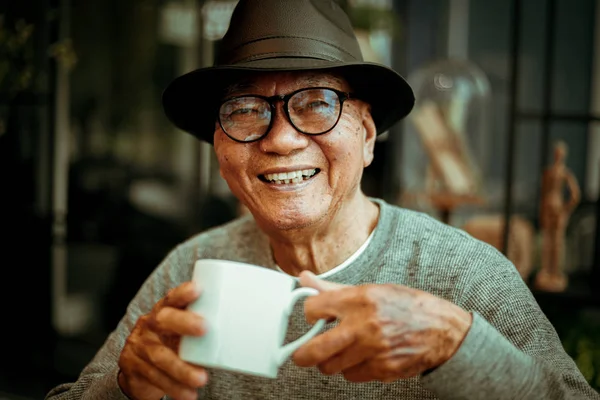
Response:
column 285, row 35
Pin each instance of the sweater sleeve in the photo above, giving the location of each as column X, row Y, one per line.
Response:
column 511, row 351
column 98, row 380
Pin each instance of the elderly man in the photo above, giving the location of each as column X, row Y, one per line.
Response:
column 421, row 310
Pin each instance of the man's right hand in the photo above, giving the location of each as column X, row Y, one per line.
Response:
column 150, row 367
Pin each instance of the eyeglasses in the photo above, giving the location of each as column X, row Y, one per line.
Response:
column 311, row 111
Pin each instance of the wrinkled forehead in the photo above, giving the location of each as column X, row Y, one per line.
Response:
column 288, row 81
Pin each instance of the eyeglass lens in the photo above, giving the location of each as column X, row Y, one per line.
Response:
column 311, row 111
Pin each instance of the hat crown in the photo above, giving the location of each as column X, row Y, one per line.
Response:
column 263, row 29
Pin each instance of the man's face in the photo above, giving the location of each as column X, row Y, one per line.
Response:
column 326, row 169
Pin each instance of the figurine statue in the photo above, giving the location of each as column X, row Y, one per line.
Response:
column 555, row 211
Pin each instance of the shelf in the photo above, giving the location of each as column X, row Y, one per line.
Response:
column 566, row 299
column 558, row 116
column 579, row 294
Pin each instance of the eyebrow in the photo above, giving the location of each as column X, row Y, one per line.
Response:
column 239, row 87
column 319, row 80
column 314, row 80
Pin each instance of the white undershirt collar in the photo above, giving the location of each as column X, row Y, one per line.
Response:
column 344, row 264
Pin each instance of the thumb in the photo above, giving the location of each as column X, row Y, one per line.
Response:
column 308, row 279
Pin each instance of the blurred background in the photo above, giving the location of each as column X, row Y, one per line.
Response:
column 96, row 186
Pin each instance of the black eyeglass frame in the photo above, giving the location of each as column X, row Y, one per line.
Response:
column 272, row 100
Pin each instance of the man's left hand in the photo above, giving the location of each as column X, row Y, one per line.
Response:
column 385, row 331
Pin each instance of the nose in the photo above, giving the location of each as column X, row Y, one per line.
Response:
column 283, row 138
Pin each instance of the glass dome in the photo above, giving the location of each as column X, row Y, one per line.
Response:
column 447, row 136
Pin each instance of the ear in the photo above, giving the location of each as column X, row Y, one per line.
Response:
column 369, row 136
column 217, row 139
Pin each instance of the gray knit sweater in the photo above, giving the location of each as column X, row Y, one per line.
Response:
column 511, row 351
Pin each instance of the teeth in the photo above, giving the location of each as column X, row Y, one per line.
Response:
column 293, row 176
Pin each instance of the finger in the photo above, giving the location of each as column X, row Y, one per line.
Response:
column 329, row 305
column 378, row 368
column 134, row 386
column 158, row 378
column 169, row 363
column 130, row 381
column 359, row 373
column 308, row 279
column 324, row 346
column 180, row 322
column 181, row 296
column 348, row 358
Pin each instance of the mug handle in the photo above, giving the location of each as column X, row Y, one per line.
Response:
column 286, row 351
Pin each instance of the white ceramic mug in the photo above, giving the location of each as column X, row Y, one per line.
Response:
column 246, row 310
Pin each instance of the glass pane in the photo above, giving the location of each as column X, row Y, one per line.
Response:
column 133, row 177
column 488, row 223
column 532, row 64
column 573, row 52
column 526, row 169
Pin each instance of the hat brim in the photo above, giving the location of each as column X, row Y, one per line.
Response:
column 190, row 100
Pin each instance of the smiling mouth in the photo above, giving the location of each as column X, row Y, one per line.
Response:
column 284, row 178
